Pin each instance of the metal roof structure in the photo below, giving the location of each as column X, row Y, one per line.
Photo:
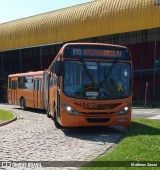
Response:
column 96, row 18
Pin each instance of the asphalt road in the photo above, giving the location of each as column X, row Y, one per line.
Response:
column 146, row 113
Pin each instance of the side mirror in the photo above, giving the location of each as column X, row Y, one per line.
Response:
column 58, row 68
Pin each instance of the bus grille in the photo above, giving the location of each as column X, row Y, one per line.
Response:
column 97, row 120
column 97, row 113
column 98, row 106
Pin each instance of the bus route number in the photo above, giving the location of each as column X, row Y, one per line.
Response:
column 77, row 51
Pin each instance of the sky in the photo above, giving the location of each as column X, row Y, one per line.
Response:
column 16, row 9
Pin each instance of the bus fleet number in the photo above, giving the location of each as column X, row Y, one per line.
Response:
column 86, row 105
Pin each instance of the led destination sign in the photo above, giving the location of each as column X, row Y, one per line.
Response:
column 93, row 52
column 88, row 51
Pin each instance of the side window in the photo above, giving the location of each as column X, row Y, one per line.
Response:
column 9, row 83
column 51, row 80
column 52, row 77
column 21, row 82
column 25, row 82
column 37, row 84
column 29, row 83
column 14, row 84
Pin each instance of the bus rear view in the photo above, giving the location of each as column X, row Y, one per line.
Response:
column 94, row 86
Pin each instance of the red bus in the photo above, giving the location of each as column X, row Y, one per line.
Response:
column 89, row 84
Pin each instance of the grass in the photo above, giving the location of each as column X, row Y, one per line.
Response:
column 141, row 144
column 5, row 115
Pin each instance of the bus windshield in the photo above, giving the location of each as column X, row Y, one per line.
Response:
column 96, row 80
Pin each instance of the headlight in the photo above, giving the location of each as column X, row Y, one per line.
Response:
column 124, row 110
column 70, row 110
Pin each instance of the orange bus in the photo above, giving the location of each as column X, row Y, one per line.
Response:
column 89, row 84
column 26, row 89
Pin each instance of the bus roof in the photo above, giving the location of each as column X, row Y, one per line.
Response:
column 26, row 74
column 72, row 44
column 88, row 43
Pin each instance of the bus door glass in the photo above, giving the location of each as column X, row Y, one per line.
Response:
column 45, row 89
column 58, row 97
column 37, row 92
column 14, row 91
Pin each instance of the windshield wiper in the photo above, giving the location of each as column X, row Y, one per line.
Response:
column 106, row 75
column 88, row 72
column 111, row 68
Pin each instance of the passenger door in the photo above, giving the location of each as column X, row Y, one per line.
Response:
column 58, row 97
column 37, row 93
column 14, row 91
column 45, row 90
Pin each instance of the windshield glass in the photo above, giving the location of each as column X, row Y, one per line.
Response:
column 96, row 80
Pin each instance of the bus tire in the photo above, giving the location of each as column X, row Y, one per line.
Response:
column 23, row 103
column 58, row 126
column 126, row 129
column 47, row 112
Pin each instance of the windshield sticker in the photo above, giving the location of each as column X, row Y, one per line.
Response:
column 92, row 94
column 103, row 95
column 125, row 73
column 120, row 86
column 92, row 67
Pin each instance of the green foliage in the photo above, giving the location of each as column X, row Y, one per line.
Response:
column 141, row 144
column 5, row 115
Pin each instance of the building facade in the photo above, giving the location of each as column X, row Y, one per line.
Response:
column 30, row 44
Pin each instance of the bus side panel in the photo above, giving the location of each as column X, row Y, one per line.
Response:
column 37, row 99
column 52, row 98
column 28, row 96
column 38, row 93
column 9, row 96
column 14, row 91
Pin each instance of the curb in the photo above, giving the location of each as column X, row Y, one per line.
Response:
column 5, row 122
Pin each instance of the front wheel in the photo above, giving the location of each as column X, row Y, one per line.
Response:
column 23, row 103
column 58, row 126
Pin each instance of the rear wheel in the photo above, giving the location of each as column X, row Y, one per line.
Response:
column 23, row 104
column 47, row 112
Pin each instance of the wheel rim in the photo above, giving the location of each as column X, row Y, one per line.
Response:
column 22, row 104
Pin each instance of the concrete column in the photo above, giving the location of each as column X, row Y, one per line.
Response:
column 154, row 71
